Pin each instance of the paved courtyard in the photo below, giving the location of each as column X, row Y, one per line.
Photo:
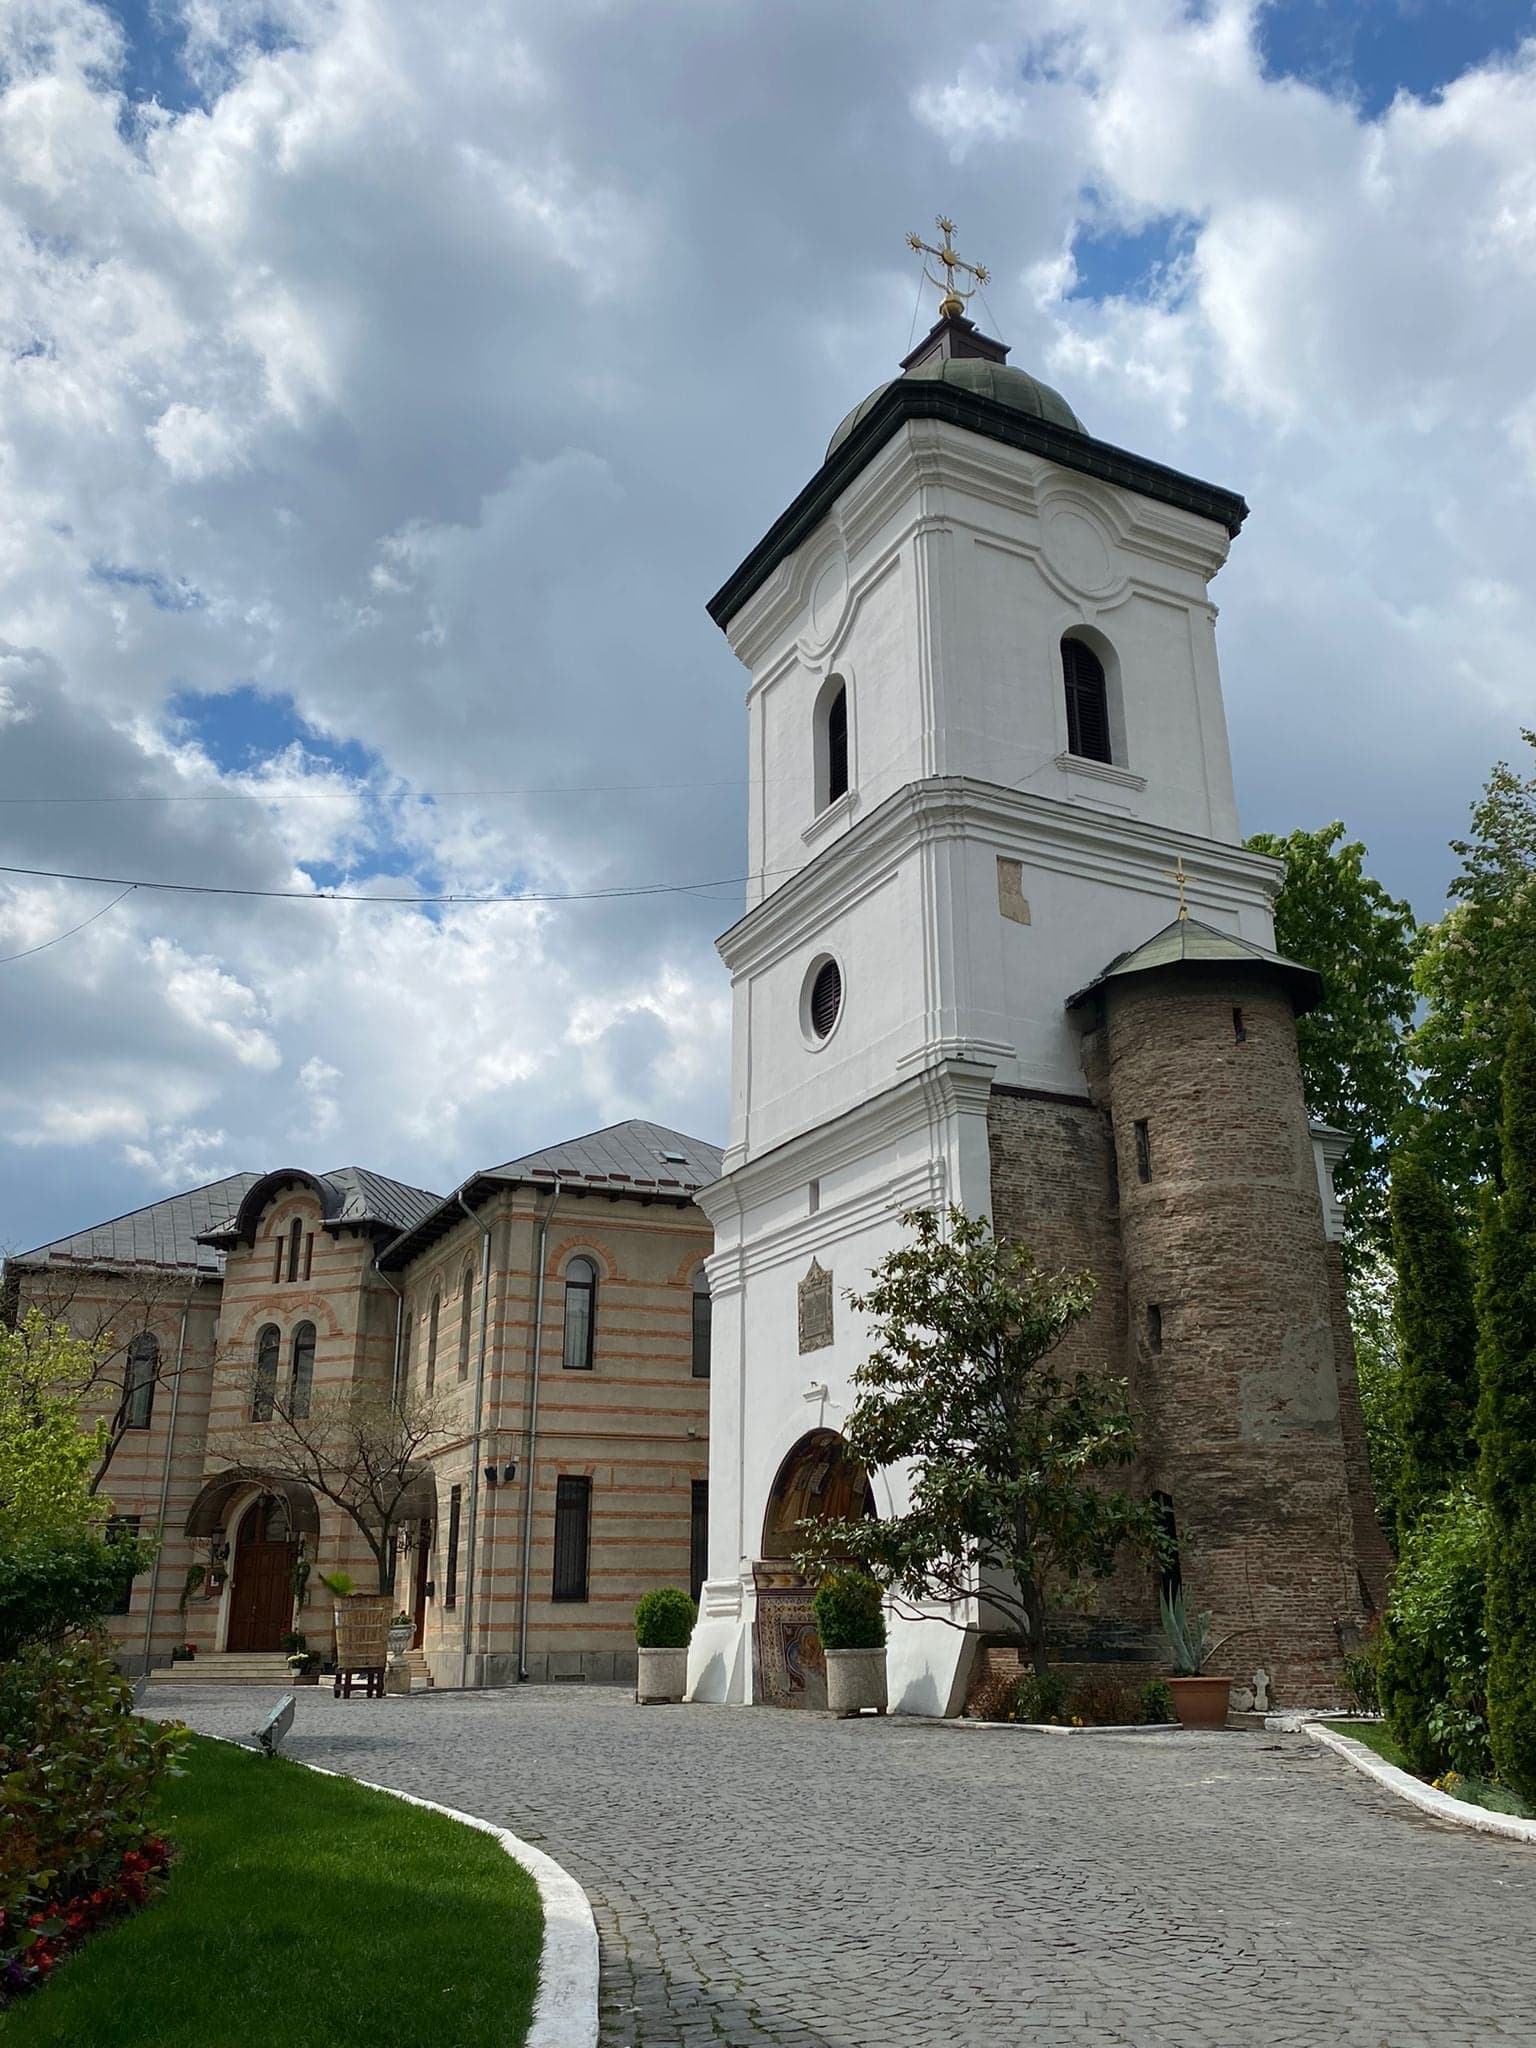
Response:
column 763, row 1877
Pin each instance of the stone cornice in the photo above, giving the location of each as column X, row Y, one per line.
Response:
column 1042, row 831
column 919, row 399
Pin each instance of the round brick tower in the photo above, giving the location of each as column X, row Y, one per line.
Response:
column 1228, row 1297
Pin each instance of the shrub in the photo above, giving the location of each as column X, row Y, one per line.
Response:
column 1043, row 1695
column 664, row 1619
column 1104, row 1699
column 52, row 1583
column 1157, row 1701
column 78, row 1771
column 995, row 1698
column 850, row 1612
column 1360, row 1680
column 1432, row 1667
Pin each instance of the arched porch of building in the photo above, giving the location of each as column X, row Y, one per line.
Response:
column 413, row 1527
column 262, row 1534
column 817, row 1480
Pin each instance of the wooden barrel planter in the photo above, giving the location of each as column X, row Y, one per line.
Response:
column 362, row 1630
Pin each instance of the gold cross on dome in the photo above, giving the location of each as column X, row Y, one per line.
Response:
column 1178, row 875
column 952, row 305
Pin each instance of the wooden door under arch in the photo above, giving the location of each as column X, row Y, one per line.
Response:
column 261, row 1582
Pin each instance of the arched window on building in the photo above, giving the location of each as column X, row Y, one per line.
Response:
column 303, row 1373
column 433, row 1320
column 264, row 1391
column 295, row 1248
column 830, row 738
column 701, row 1325
column 580, row 1315
column 466, row 1311
column 1087, row 702
column 139, row 1380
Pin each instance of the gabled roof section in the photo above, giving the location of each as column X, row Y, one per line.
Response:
column 351, row 1197
column 646, row 1161
column 169, row 1234
column 1189, row 943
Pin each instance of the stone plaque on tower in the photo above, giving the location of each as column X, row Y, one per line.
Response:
column 815, row 1309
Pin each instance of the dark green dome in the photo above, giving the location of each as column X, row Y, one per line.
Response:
column 983, row 379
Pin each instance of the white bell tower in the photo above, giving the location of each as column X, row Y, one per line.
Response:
column 985, row 724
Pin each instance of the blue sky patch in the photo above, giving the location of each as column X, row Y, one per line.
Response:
column 240, row 729
column 165, row 593
column 1112, row 264
column 1369, row 50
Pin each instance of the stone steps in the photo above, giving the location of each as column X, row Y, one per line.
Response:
column 232, row 1667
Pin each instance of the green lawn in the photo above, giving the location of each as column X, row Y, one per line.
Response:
column 302, row 1910
column 1374, row 1735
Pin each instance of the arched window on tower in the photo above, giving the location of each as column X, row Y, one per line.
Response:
column 1087, row 702
column 580, row 1315
column 833, row 779
column 264, row 1389
column 303, row 1378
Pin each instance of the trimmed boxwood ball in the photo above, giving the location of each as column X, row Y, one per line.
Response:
column 664, row 1619
column 850, row 1612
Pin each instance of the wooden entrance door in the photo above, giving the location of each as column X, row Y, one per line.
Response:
column 423, row 1566
column 261, row 1588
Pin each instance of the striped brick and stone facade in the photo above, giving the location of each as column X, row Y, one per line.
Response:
column 565, row 1369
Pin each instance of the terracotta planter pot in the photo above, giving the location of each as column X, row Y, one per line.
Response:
column 663, row 1677
column 855, row 1682
column 1200, row 1702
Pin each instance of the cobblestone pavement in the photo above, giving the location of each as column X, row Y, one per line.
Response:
column 767, row 1877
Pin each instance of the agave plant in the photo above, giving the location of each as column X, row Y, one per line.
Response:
column 1189, row 1636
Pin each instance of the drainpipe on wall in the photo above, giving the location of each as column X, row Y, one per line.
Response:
column 394, row 1376
column 474, row 1470
column 533, row 1440
column 165, row 1482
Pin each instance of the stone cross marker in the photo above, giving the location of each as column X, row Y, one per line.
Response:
column 815, row 1309
column 1261, row 1692
column 271, row 1732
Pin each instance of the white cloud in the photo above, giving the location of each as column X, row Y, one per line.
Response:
column 434, row 369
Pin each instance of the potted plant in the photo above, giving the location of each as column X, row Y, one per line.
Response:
column 183, row 1653
column 401, row 1629
column 1199, row 1699
column 304, row 1667
column 362, row 1623
column 663, row 1624
column 850, row 1619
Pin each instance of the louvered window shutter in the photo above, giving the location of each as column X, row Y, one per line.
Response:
column 1087, row 702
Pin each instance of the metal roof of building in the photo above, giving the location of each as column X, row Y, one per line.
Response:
column 1188, row 942
column 645, row 1160
column 161, row 1234
column 349, row 1195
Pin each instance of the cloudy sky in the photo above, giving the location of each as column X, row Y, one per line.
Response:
column 384, row 388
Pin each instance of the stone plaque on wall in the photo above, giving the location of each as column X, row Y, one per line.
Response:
column 815, row 1309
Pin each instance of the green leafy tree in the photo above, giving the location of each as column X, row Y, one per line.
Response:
column 47, row 1455
column 1473, row 967
column 1506, row 1416
column 1372, row 1316
column 1008, row 1454
column 1436, row 1330
column 1335, row 917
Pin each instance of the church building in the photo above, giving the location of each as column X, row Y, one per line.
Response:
column 1005, row 949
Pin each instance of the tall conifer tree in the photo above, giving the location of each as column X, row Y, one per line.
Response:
column 1506, row 1418
column 1436, row 1339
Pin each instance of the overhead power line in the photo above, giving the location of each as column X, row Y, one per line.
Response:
column 7, row 958
column 124, row 883
column 254, row 793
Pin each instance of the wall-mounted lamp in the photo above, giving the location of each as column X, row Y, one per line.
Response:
column 490, row 1475
column 509, row 1472
column 816, row 1391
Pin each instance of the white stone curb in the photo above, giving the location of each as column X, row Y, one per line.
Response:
column 565, row 2010
column 1461, row 1812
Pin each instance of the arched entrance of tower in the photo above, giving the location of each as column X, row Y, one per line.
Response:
column 817, row 1481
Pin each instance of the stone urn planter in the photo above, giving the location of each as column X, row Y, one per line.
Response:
column 1200, row 1702
column 664, row 1622
column 850, row 1620
column 856, row 1682
column 400, row 1633
column 663, row 1677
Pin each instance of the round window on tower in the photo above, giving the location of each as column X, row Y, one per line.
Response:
column 821, row 1001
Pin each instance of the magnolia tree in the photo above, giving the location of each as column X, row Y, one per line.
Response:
column 356, row 1446
column 1009, row 1454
